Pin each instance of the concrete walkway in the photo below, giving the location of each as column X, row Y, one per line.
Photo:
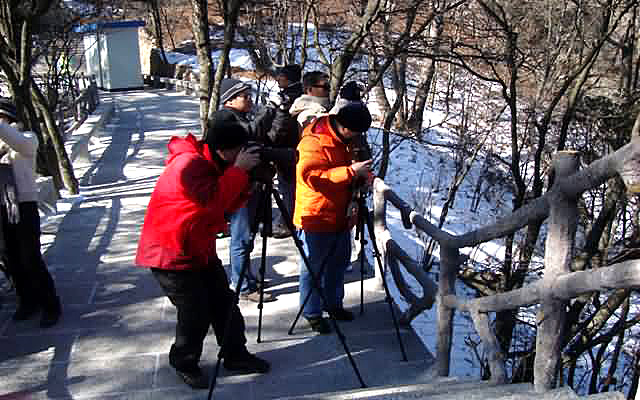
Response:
column 113, row 339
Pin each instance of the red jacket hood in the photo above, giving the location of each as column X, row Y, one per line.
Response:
column 188, row 144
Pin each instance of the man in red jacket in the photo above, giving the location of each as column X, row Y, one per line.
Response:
column 201, row 181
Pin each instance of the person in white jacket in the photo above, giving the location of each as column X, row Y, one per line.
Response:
column 34, row 286
column 315, row 100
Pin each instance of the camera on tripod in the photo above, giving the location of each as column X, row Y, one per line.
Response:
column 273, row 154
column 360, row 148
column 270, row 156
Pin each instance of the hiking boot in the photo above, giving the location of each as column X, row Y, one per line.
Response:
column 24, row 312
column 319, row 324
column 246, row 363
column 340, row 314
column 51, row 313
column 259, row 284
column 50, row 318
column 225, row 233
column 255, row 296
column 280, row 232
column 196, row 379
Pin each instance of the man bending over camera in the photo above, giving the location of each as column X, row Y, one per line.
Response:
column 201, row 181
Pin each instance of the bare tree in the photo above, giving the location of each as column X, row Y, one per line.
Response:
column 20, row 22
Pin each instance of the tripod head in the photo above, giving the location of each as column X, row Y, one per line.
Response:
column 262, row 206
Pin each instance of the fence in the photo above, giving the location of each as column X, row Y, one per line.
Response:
column 189, row 87
column 552, row 292
column 82, row 105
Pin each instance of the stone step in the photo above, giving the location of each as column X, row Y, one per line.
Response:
column 454, row 389
column 437, row 389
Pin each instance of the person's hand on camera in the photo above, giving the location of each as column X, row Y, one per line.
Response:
column 362, row 169
column 248, row 158
column 279, row 100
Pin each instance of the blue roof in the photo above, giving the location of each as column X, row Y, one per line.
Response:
column 88, row 28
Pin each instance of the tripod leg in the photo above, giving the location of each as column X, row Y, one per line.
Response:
column 266, row 232
column 263, row 261
column 227, row 327
column 384, row 283
column 360, row 236
column 316, row 283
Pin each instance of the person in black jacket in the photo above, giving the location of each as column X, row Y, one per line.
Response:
column 284, row 133
column 235, row 97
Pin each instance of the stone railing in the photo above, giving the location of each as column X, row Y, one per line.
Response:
column 552, row 292
column 188, row 86
column 83, row 105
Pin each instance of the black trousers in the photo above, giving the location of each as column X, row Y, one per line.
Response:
column 33, row 282
column 202, row 298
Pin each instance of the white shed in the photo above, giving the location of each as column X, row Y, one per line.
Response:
column 112, row 54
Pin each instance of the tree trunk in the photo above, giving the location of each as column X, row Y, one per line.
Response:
column 231, row 10
column 57, row 141
column 200, row 26
column 157, row 27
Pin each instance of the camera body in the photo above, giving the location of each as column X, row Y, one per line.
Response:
column 273, row 154
column 360, row 148
column 270, row 157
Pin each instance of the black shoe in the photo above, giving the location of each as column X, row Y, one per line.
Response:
column 246, row 363
column 24, row 312
column 319, row 324
column 51, row 313
column 50, row 318
column 340, row 314
column 255, row 296
column 196, row 379
column 280, row 232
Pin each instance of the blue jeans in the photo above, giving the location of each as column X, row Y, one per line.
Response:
column 335, row 248
column 240, row 249
column 287, row 191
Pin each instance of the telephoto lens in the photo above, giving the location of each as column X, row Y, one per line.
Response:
column 360, row 148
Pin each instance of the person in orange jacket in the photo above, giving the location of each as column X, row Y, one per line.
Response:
column 325, row 174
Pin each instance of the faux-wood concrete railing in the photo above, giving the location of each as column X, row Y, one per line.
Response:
column 552, row 292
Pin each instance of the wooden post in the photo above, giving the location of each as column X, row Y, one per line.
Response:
column 449, row 263
column 491, row 346
column 630, row 173
column 558, row 256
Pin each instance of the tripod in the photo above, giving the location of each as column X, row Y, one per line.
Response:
column 364, row 217
column 264, row 215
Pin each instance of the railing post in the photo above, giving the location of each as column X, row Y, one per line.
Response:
column 449, row 263
column 380, row 225
column 558, row 256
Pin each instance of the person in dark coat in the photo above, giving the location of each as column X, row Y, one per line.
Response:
column 285, row 133
column 235, row 97
column 202, row 181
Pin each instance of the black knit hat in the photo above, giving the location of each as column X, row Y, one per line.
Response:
column 354, row 116
column 293, row 72
column 8, row 109
column 229, row 88
column 226, row 135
